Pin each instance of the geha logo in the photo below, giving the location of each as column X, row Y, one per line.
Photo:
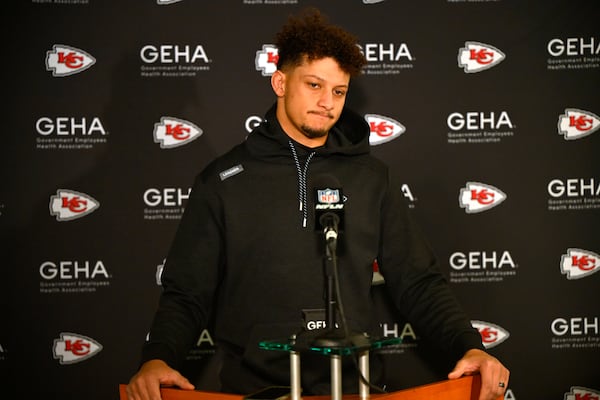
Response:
column 266, row 59
column 573, row 187
column 378, row 52
column 476, row 57
column 575, row 124
column 476, row 197
column 166, row 197
column 205, row 338
column 478, row 121
column 477, row 260
column 491, row 335
column 71, row 270
column 582, row 393
column 173, row 54
column 575, row 326
column 65, row 60
column 393, row 330
column 72, row 348
column 174, row 132
column 573, row 47
column 69, row 126
column 68, row 205
column 578, row 263
column 383, row 129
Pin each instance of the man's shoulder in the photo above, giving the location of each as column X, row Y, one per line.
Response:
column 225, row 165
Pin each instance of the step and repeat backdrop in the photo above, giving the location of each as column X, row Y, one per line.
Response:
column 488, row 110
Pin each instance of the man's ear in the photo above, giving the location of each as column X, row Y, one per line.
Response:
column 278, row 83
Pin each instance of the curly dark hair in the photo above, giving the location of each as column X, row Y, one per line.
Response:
column 311, row 35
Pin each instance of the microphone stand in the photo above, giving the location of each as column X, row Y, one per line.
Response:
column 334, row 337
column 332, row 340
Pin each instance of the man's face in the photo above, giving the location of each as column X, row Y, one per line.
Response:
column 310, row 99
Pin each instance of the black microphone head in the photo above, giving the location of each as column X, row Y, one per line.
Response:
column 329, row 201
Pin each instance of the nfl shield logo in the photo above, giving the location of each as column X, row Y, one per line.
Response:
column 329, row 196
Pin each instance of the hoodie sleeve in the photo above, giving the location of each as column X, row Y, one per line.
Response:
column 189, row 280
column 416, row 285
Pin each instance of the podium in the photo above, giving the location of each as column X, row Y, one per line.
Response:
column 465, row 388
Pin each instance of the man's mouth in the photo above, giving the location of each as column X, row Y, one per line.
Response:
column 322, row 114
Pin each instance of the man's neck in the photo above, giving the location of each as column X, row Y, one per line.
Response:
column 306, row 141
column 299, row 137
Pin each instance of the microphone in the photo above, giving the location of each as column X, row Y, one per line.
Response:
column 329, row 206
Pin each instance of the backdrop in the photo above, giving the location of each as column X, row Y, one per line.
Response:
column 488, row 110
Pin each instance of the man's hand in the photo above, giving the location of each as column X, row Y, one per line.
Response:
column 494, row 376
column 146, row 383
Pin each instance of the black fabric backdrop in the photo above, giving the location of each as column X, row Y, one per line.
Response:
column 82, row 288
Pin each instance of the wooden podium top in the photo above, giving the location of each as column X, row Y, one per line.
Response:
column 465, row 388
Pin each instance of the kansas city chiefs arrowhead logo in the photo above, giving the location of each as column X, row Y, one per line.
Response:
column 476, row 57
column 582, row 393
column 383, row 129
column 578, row 263
column 477, row 197
column 173, row 132
column 266, row 59
column 67, row 205
column 72, row 348
column 491, row 335
column 575, row 124
column 65, row 60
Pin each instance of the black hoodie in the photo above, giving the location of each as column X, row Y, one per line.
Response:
column 247, row 250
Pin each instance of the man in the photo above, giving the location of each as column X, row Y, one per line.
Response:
column 247, row 248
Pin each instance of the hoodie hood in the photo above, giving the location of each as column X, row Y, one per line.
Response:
column 349, row 136
column 268, row 142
